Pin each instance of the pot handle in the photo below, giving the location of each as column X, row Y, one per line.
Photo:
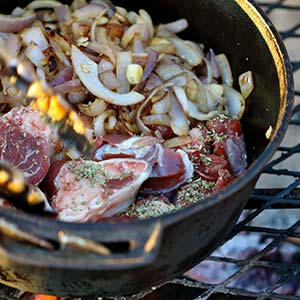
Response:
column 141, row 246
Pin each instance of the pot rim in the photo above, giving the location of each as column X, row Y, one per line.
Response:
column 285, row 76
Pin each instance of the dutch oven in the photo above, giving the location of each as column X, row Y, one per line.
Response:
column 147, row 253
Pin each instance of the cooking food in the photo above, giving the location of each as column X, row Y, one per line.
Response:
column 160, row 111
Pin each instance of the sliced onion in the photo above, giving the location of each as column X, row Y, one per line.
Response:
column 152, row 59
column 110, row 80
column 148, row 22
column 40, row 73
column 235, row 102
column 87, row 71
column 88, row 12
column 139, row 121
column 111, row 123
column 103, row 49
column 182, row 98
column 76, row 97
column 35, row 35
column 166, row 48
column 178, row 141
column 225, row 70
column 115, row 30
column 40, row 4
column 62, row 12
column 59, row 52
column 100, row 122
column 161, row 119
column 179, row 80
column 98, row 21
column 105, row 65
column 101, row 36
column 246, row 84
column 150, row 66
column 124, row 59
column 168, row 71
column 138, row 46
column 132, row 17
column 62, row 76
column 209, row 73
column 69, row 86
column 211, row 57
column 188, row 51
column 152, row 83
column 130, row 33
column 177, row 26
column 10, row 23
column 35, row 55
column 179, row 121
column 107, row 4
column 140, row 58
column 163, row 106
column 162, row 31
column 194, row 113
column 93, row 109
column 61, row 41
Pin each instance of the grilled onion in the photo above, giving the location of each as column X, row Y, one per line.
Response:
column 87, row 71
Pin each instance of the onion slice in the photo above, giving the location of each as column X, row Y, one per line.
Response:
column 39, row 4
column 87, row 71
column 10, row 23
column 246, row 84
column 224, row 68
column 177, row 26
column 235, row 102
column 179, row 121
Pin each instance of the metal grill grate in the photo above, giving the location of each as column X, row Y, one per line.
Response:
column 271, row 243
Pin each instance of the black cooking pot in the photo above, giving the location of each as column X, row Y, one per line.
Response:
column 146, row 253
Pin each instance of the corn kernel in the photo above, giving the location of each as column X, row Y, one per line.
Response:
column 134, row 73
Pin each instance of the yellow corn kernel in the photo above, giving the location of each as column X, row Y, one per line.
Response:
column 134, row 73
column 4, row 177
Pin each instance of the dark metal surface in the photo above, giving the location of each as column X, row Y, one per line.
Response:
column 188, row 236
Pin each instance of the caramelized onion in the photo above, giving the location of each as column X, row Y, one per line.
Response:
column 10, row 23
column 177, row 26
column 224, row 68
column 87, row 71
column 246, row 84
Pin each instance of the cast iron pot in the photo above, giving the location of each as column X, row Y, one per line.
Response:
column 147, row 253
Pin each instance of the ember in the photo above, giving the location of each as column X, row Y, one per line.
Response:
column 45, row 297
